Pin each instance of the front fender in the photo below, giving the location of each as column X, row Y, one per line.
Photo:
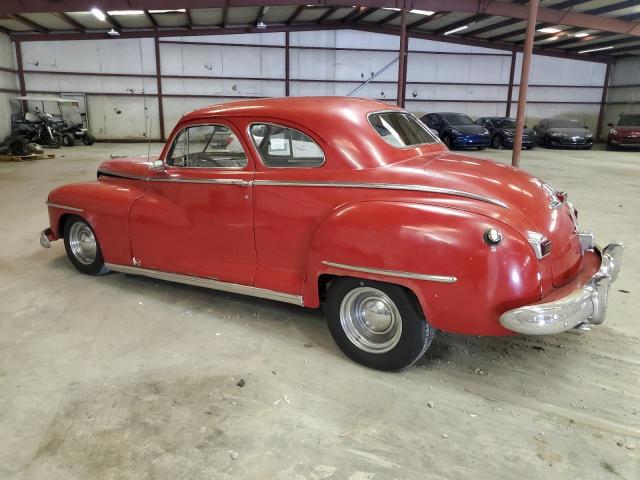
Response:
column 105, row 205
column 430, row 240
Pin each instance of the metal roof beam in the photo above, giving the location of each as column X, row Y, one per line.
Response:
column 29, row 23
column 327, row 14
column 294, row 15
column 70, row 21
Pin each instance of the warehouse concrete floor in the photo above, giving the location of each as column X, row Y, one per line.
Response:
column 120, row 377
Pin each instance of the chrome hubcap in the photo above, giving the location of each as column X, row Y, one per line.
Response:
column 82, row 243
column 370, row 320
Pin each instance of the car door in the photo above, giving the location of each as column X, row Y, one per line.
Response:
column 196, row 217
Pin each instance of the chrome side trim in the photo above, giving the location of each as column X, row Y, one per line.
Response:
column 208, row 283
column 382, row 186
column 393, row 273
column 64, row 207
column 219, row 181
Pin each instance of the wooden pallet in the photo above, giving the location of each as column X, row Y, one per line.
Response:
column 26, row 158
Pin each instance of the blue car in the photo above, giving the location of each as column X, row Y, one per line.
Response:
column 457, row 130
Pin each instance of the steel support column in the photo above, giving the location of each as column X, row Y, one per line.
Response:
column 286, row 64
column 159, row 88
column 603, row 101
column 20, row 70
column 524, row 80
column 402, row 61
column 512, row 72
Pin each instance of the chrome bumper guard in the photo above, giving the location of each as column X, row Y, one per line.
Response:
column 584, row 307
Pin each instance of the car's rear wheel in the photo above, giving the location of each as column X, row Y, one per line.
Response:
column 88, row 139
column 82, row 246
column 376, row 324
column 446, row 139
column 68, row 140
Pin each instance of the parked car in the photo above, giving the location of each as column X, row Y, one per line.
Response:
column 625, row 132
column 457, row 130
column 347, row 203
column 563, row 132
column 503, row 132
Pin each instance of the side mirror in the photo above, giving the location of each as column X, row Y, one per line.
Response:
column 610, row 124
column 157, row 166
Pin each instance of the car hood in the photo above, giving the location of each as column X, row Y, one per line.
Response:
column 627, row 130
column 136, row 167
column 526, row 132
column 469, row 129
column 571, row 131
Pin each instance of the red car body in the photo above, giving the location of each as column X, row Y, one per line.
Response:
column 625, row 132
column 415, row 217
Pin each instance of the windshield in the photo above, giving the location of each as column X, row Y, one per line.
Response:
column 629, row 121
column 457, row 118
column 506, row 123
column 401, row 129
column 563, row 123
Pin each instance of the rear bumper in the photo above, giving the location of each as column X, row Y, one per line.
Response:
column 584, row 305
column 46, row 236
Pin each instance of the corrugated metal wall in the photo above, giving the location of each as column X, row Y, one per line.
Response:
column 624, row 89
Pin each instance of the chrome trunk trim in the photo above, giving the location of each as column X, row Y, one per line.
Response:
column 208, row 283
column 382, row 186
column 64, row 207
column 393, row 273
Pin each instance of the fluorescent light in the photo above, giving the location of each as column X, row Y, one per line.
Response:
column 99, row 14
column 549, row 30
column 553, row 38
column 464, row 27
column 126, row 12
column 595, row 49
column 176, row 10
column 391, row 8
column 581, row 34
column 427, row 13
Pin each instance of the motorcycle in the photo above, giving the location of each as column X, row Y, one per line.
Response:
column 43, row 129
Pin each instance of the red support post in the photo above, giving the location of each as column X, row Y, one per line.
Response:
column 159, row 88
column 20, row 70
column 402, row 61
column 512, row 72
column 603, row 101
column 524, row 80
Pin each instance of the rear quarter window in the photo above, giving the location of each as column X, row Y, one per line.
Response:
column 401, row 129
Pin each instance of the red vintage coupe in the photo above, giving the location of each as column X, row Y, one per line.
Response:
column 349, row 203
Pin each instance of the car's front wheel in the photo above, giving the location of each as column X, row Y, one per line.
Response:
column 82, row 246
column 377, row 324
column 497, row 142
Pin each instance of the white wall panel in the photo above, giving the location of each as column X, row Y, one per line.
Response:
column 562, row 71
column 214, row 60
column 89, row 84
column 371, row 90
column 275, row 38
column 175, row 108
column 425, row 67
column 107, row 56
column 126, row 118
column 625, row 71
column 215, row 87
column 474, row 110
column 561, row 94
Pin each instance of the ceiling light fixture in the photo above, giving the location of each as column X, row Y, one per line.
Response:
column 595, row 49
column 464, row 27
column 581, row 34
column 125, row 12
column 426, row 13
column 175, row 10
column 549, row 30
column 113, row 32
column 99, row 14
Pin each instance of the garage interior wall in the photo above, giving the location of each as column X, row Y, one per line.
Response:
column 118, row 76
column 623, row 96
column 8, row 84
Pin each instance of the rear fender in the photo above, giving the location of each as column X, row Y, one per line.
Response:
column 423, row 239
column 105, row 205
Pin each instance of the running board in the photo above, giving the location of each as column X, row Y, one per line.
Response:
column 208, row 283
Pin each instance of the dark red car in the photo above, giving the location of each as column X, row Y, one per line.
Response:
column 625, row 132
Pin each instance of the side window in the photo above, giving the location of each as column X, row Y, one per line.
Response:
column 280, row 146
column 207, row 146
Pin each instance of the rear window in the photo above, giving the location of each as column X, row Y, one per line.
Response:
column 629, row 121
column 401, row 129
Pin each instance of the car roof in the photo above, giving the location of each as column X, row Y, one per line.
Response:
column 292, row 107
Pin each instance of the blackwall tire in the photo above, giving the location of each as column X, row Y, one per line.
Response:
column 377, row 324
column 83, row 249
column 68, row 140
column 88, row 139
column 446, row 139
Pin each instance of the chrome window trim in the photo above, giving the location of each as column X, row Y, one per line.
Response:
column 177, row 135
column 255, row 147
column 393, row 273
column 64, row 207
column 382, row 186
column 209, row 283
column 408, row 147
column 219, row 181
